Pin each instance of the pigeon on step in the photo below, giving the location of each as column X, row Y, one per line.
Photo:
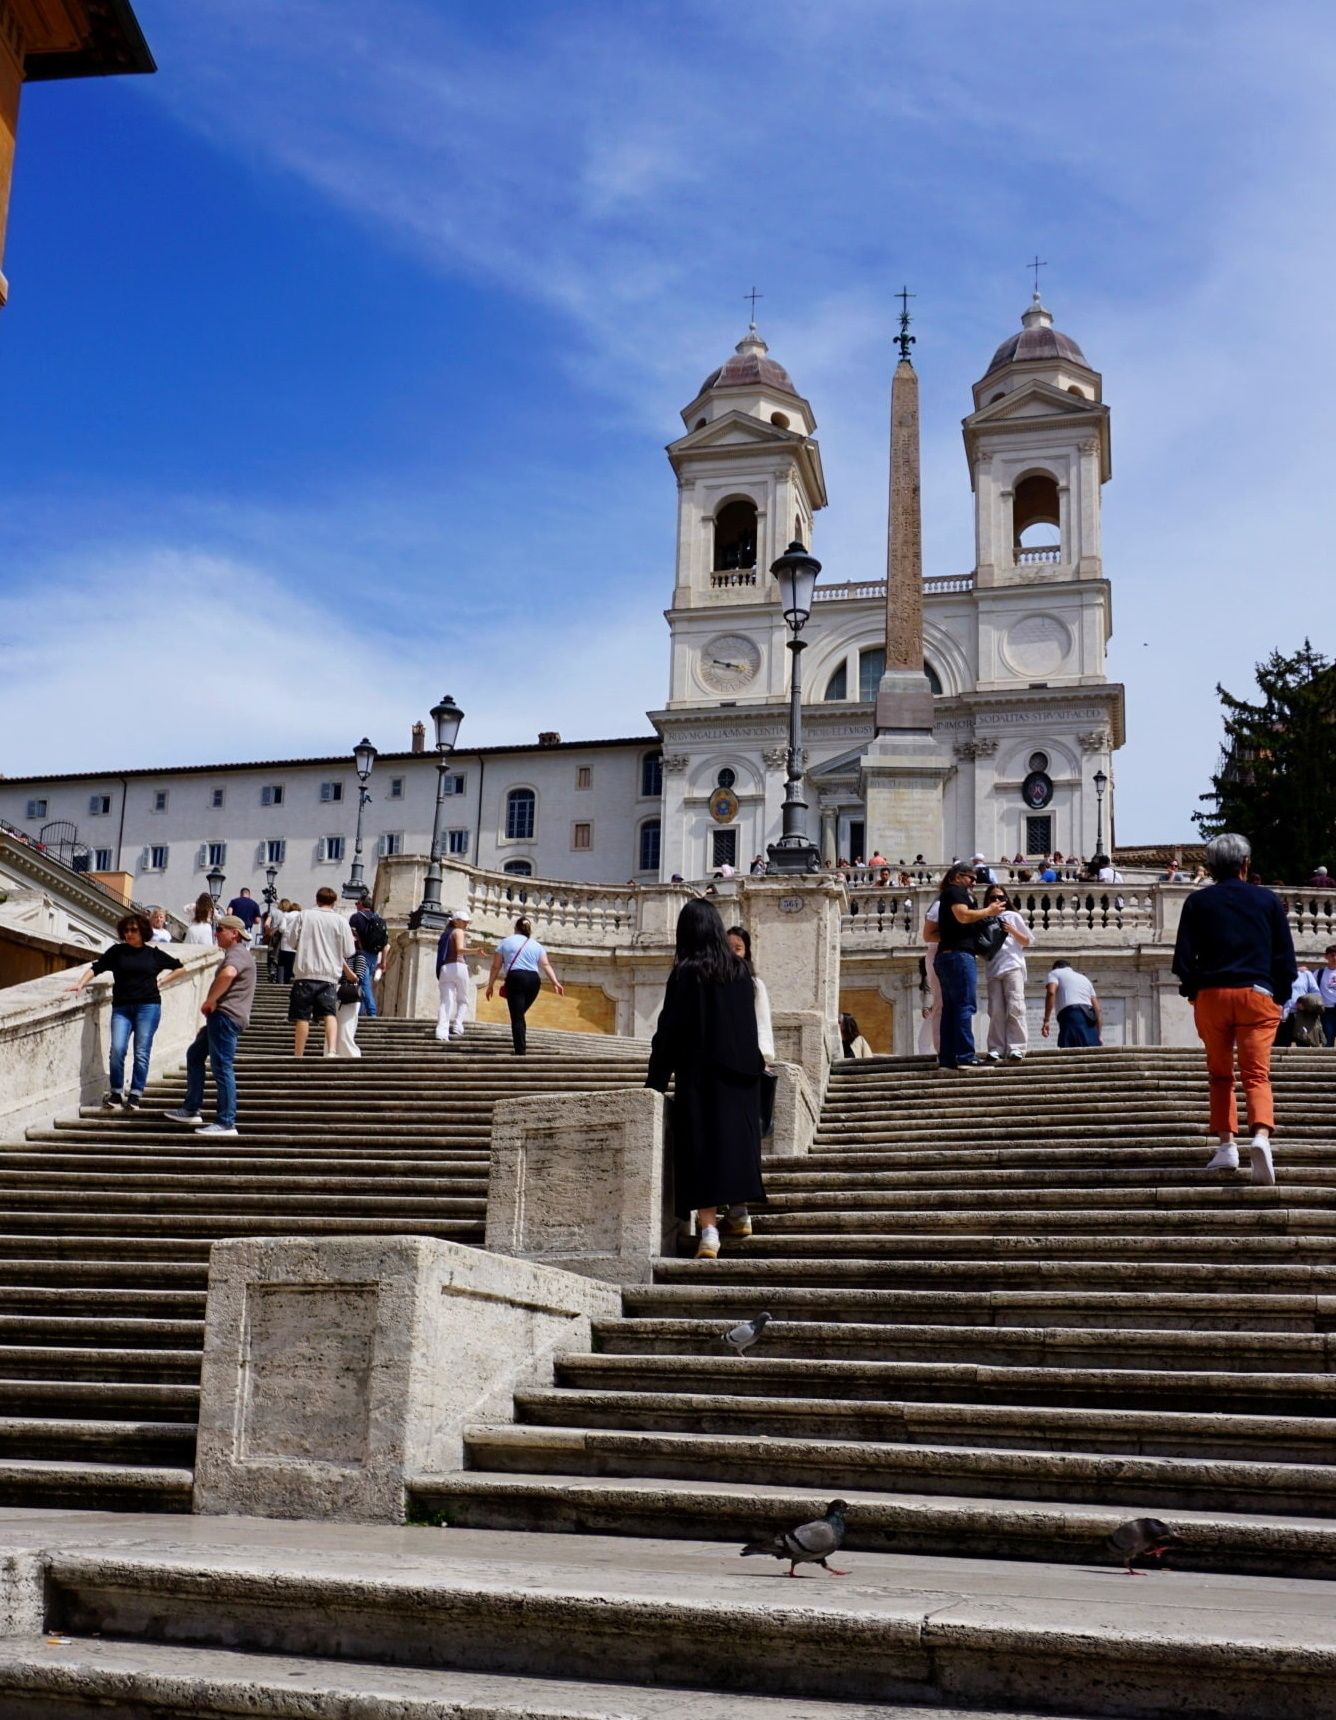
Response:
column 808, row 1544
column 741, row 1338
column 1143, row 1535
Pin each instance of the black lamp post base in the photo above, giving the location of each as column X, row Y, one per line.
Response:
column 431, row 919
column 801, row 856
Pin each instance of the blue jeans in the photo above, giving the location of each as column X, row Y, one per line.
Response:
column 216, row 1041
column 368, row 989
column 141, row 1020
column 1329, row 1026
column 958, row 976
column 1075, row 1028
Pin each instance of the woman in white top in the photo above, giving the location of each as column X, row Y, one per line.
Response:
column 521, row 964
column 735, row 1220
column 1008, row 1029
column 739, row 941
column 287, row 941
column 452, row 975
column 200, row 929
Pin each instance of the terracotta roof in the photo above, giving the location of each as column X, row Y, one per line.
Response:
column 750, row 367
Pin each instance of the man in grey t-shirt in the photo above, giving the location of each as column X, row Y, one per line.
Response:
column 226, row 1011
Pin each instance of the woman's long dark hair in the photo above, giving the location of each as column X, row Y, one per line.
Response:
column 702, row 944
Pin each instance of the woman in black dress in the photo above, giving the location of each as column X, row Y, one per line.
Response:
column 706, row 1041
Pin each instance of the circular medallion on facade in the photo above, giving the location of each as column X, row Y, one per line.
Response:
column 723, row 806
column 729, row 662
column 1036, row 645
column 1037, row 790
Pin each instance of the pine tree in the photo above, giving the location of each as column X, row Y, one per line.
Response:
column 1277, row 778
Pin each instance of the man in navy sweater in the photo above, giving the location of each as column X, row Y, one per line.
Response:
column 1235, row 959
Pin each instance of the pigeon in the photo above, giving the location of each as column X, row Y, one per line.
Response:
column 1143, row 1535
column 808, row 1544
column 741, row 1338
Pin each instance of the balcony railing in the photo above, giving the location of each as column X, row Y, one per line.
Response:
column 1040, row 552
column 741, row 576
column 865, row 588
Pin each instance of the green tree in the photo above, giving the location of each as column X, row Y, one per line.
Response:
column 1277, row 778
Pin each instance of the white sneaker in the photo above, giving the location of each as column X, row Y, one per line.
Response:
column 183, row 1116
column 1224, row 1159
column 215, row 1129
column 1263, row 1171
column 707, row 1244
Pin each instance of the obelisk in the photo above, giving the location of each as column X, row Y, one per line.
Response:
column 902, row 772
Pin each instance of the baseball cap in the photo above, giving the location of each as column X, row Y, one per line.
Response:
column 233, row 922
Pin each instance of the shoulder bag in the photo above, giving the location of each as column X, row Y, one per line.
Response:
column 518, row 953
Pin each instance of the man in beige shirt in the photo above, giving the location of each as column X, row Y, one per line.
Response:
column 325, row 948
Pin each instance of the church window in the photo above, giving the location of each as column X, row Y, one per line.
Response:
column 699, row 424
column 1038, row 761
column 871, row 668
column 1000, row 395
column 780, row 420
column 521, row 806
column 1080, row 392
column 735, row 535
column 934, row 679
column 726, row 777
column 1034, row 505
column 1039, row 834
column 519, row 869
column 838, row 685
column 650, row 838
column 723, row 848
column 651, row 775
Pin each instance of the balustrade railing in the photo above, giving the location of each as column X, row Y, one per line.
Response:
column 745, row 576
column 855, row 588
column 1041, row 552
column 1069, row 910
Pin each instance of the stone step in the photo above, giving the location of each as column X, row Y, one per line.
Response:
column 1000, row 1171
column 91, row 1300
column 201, row 1181
column 1233, row 1351
column 833, row 1465
column 719, row 1407
column 1034, row 1269
column 69, row 1485
column 101, row 1399
column 103, row 1680
column 157, row 1443
column 77, row 1329
column 189, row 1226
column 1257, row 1242
column 1177, row 1195
column 69, row 1362
column 960, row 1526
column 717, row 1308
column 179, row 1196
column 690, row 1614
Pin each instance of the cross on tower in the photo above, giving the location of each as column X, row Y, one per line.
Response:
column 753, row 295
column 1036, row 265
column 904, row 339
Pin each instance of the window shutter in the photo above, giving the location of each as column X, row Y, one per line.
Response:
column 201, row 856
column 144, row 859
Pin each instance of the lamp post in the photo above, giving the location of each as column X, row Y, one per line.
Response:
column 447, row 717
column 796, row 572
column 364, row 758
column 270, row 891
column 1099, row 858
column 215, row 878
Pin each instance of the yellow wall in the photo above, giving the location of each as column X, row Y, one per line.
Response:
column 24, row 961
column 584, row 1009
column 119, row 884
column 875, row 1015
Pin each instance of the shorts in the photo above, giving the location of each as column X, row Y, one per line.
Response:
column 312, row 1000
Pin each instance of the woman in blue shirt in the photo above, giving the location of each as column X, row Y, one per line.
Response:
column 519, row 962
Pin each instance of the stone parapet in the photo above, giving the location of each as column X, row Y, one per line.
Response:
column 333, row 1368
column 54, row 1044
column 797, row 1113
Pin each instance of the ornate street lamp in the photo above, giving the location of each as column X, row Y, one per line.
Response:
column 364, row 758
column 796, row 573
column 1099, row 858
column 447, row 717
column 215, row 878
column 270, row 891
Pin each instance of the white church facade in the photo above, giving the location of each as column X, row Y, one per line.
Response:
column 1024, row 715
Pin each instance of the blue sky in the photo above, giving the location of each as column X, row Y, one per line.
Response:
column 341, row 354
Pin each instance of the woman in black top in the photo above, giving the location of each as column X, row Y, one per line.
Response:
column 955, row 966
column 135, row 965
column 707, row 1042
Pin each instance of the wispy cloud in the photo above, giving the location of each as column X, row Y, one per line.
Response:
column 631, row 171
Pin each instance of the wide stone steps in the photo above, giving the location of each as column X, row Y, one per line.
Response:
column 107, row 1218
column 689, row 1617
column 1031, row 1269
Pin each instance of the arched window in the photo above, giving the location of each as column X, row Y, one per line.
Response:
column 651, row 775
column 735, row 535
column 1035, row 504
column 780, row 420
column 934, row 679
column 519, row 869
column 650, row 833
column 520, row 810
column 838, row 685
column 871, row 668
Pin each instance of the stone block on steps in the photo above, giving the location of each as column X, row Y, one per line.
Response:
column 334, row 1366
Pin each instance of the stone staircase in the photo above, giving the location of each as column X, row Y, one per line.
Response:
column 1009, row 1310
column 106, row 1222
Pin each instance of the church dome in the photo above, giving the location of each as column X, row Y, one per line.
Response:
column 750, row 367
column 1037, row 342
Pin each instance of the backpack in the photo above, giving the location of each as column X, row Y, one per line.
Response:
column 372, row 932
